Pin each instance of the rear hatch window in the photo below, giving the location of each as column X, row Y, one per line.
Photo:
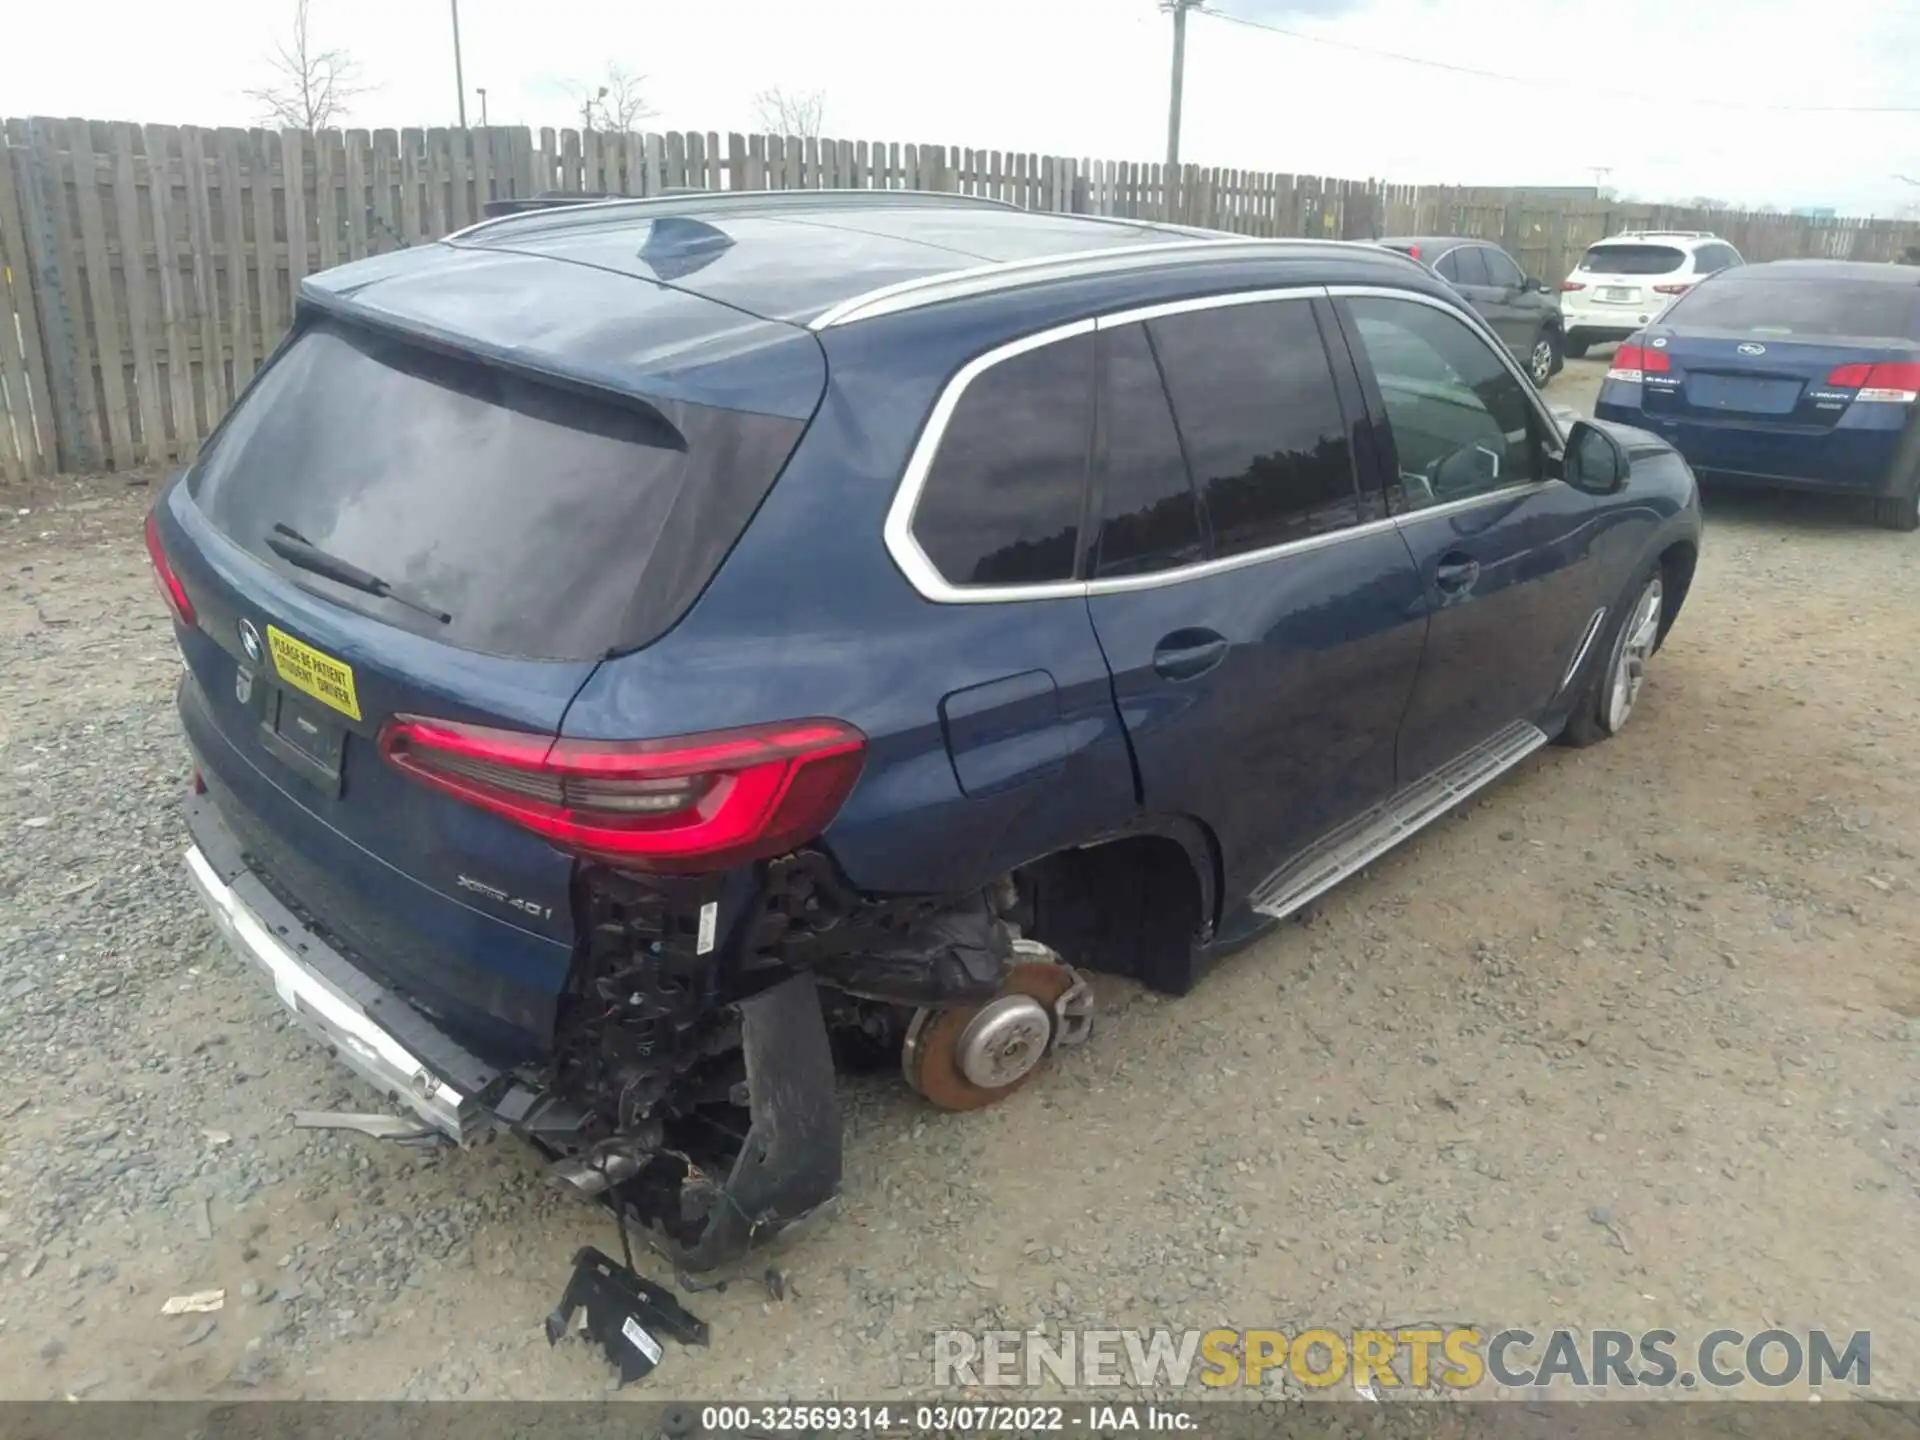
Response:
column 548, row 523
column 1633, row 260
column 1815, row 308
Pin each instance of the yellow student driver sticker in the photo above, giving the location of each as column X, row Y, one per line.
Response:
column 314, row 672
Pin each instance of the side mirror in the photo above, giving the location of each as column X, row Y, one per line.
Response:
column 1595, row 462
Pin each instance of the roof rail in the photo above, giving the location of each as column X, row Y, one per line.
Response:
column 1005, row 275
column 684, row 202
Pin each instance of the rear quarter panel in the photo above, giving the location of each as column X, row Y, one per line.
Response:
column 810, row 616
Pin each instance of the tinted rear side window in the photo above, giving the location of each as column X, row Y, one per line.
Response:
column 1002, row 502
column 548, row 524
column 1470, row 265
column 1745, row 301
column 1633, row 260
column 1150, row 516
column 1254, row 397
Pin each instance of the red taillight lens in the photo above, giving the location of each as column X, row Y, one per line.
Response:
column 1849, row 377
column 1673, row 289
column 1572, row 285
column 699, row 802
column 1895, row 382
column 1631, row 362
column 1414, row 251
column 171, row 590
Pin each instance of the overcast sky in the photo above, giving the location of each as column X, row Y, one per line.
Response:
column 1662, row 92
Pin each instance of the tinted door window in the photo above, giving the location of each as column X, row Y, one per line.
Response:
column 1460, row 418
column 1447, row 267
column 1150, row 519
column 1254, row 398
column 1502, row 270
column 1470, row 265
column 1002, row 503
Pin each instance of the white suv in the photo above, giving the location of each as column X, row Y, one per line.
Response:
column 1626, row 280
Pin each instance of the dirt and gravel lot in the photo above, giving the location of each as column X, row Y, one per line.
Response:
column 1629, row 1042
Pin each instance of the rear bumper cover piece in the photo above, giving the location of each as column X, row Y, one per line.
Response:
column 374, row 1032
column 787, row 1171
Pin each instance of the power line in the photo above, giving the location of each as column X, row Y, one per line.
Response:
column 1557, row 84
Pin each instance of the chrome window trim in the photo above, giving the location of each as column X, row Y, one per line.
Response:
column 920, row 571
column 926, row 579
column 924, row 290
column 683, row 204
column 1122, row 584
column 1408, row 518
column 1191, row 303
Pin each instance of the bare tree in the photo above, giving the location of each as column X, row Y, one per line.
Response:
column 616, row 102
column 313, row 88
column 778, row 113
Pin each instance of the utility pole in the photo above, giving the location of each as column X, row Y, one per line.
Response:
column 481, row 91
column 1180, row 9
column 459, row 80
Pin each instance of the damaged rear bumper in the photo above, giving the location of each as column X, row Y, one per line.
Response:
column 375, row 1033
column 788, row 1166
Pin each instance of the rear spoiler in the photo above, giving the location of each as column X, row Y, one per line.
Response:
column 555, row 199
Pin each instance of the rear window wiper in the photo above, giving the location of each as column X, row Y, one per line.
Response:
column 294, row 548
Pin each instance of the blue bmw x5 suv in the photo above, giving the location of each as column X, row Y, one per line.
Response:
column 643, row 655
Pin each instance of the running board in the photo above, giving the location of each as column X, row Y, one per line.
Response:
column 1366, row 839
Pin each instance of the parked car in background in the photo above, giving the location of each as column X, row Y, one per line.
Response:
column 802, row 623
column 1522, row 311
column 1626, row 280
column 1802, row 374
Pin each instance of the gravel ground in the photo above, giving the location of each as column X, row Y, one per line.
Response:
column 1630, row 1041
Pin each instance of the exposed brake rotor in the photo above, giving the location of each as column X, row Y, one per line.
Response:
column 969, row 1056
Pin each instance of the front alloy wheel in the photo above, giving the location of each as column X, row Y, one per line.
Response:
column 1628, row 673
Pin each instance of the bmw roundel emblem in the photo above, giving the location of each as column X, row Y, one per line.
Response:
column 250, row 641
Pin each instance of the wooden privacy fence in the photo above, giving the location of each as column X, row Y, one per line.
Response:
column 146, row 271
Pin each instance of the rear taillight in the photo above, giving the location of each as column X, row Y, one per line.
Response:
column 1572, row 285
column 171, row 590
column 1631, row 362
column 699, row 802
column 1895, row 382
column 1679, row 289
column 1414, row 251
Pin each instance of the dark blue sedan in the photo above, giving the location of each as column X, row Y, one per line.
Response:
column 1801, row 374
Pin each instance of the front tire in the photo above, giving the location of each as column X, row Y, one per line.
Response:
column 1610, row 694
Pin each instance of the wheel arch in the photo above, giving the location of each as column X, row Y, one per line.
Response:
column 1140, row 901
column 1677, row 563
